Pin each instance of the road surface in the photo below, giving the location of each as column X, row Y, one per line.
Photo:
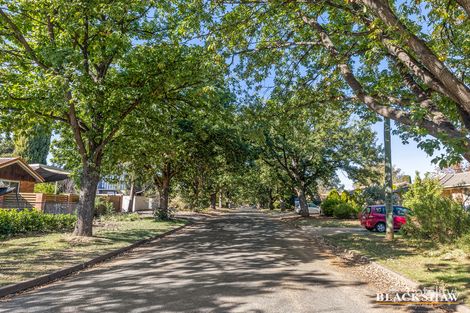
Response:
column 243, row 262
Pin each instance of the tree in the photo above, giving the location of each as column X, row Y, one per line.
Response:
column 177, row 136
column 397, row 59
column 6, row 145
column 33, row 144
column 84, row 68
column 310, row 143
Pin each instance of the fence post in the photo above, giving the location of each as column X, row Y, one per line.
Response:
column 40, row 201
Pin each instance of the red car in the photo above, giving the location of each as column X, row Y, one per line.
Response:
column 373, row 217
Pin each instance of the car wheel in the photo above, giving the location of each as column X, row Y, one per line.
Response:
column 380, row 227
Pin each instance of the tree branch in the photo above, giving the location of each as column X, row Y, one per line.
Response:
column 21, row 39
column 434, row 129
column 72, row 117
column 460, row 92
column 465, row 4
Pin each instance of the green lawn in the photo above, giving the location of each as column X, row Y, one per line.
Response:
column 30, row 256
column 422, row 261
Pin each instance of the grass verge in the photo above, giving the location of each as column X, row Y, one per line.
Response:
column 423, row 261
column 323, row 221
column 29, row 256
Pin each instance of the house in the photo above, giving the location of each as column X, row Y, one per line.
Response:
column 457, row 186
column 15, row 172
column 50, row 173
column 111, row 185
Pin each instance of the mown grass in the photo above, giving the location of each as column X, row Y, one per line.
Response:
column 425, row 262
column 322, row 221
column 29, row 256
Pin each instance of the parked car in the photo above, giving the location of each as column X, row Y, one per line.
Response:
column 312, row 208
column 374, row 218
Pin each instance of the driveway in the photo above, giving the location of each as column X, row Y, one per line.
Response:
column 243, row 262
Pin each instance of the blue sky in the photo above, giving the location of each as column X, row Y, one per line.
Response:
column 408, row 157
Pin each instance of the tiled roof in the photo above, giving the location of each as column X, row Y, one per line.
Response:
column 455, row 180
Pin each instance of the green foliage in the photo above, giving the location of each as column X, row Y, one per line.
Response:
column 434, row 216
column 103, row 207
column 14, row 222
column 299, row 44
column 6, row 145
column 344, row 210
column 33, row 144
column 120, row 217
column 340, row 206
column 308, row 143
column 328, row 206
column 45, row 188
column 330, row 203
column 373, row 194
column 86, row 67
column 161, row 214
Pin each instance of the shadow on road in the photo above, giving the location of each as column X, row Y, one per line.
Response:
column 218, row 265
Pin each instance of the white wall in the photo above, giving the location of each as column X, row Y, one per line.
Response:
column 140, row 203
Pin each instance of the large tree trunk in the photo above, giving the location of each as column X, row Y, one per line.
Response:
column 271, row 200
column 213, row 200
column 130, row 206
column 165, row 195
column 86, row 205
column 163, row 184
column 220, row 199
column 303, row 202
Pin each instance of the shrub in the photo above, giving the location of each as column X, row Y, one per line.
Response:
column 163, row 215
column 328, row 206
column 103, row 207
column 434, row 216
column 340, row 206
column 343, row 210
column 15, row 222
column 45, row 188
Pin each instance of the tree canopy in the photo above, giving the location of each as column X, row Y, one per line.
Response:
column 311, row 142
column 406, row 60
column 145, row 89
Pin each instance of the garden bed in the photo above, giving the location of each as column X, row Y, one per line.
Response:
column 32, row 255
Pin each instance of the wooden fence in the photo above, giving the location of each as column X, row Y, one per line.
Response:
column 49, row 203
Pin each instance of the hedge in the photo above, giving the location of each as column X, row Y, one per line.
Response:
column 15, row 222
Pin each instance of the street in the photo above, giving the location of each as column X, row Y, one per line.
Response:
column 242, row 262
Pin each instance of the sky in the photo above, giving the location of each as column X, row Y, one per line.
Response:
column 408, row 157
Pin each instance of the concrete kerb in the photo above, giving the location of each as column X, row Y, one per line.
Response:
column 60, row 274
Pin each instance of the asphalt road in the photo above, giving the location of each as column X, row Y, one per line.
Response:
column 243, row 262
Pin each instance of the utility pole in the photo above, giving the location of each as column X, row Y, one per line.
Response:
column 388, row 179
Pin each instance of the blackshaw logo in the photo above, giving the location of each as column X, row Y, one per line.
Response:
column 425, row 296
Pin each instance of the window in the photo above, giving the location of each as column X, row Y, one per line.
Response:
column 380, row 210
column 399, row 211
column 10, row 183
